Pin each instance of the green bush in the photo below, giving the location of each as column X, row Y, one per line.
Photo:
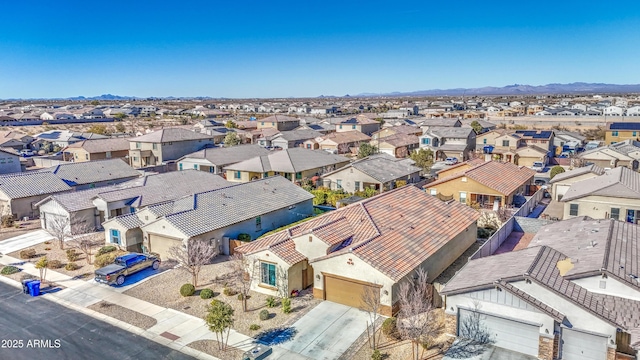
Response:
column 187, row 290
column 484, row 233
column 240, row 296
column 264, row 314
column 8, row 270
column 389, row 327
column 244, row 237
column 254, row 327
column 206, row 294
column 228, row 291
column 106, row 249
column 71, row 266
column 72, row 255
column 54, row 264
column 271, row 302
column 104, row 259
column 286, row 305
column 376, row 355
column 555, row 171
column 27, row 253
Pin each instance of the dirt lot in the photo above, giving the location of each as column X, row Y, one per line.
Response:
column 211, row 347
column 19, row 228
column 164, row 290
column 123, row 314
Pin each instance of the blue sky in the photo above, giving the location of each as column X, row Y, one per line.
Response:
column 309, row 48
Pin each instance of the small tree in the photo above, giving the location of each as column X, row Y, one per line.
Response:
column 193, row 256
column 366, row 149
column 60, row 229
column 87, row 244
column 219, row 318
column 475, row 125
column 98, row 129
column 370, row 300
column 417, row 320
column 343, row 148
column 423, row 158
column 555, row 171
column 474, row 336
column 230, row 124
column 119, row 115
column 231, row 139
column 120, row 127
column 242, row 270
column 41, row 265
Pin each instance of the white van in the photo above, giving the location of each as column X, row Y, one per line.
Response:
column 538, row 166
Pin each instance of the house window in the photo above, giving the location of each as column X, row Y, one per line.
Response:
column 298, row 175
column 308, row 146
column 463, row 197
column 265, row 175
column 108, row 154
column 195, row 166
column 258, row 223
column 573, row 209
column 615, row 213
column 357, row 185
column 268, row 274
column 86, row 156
column 262, row 123
column 180, row 166
column 484, row 141
column 353, row 127
column 115, row 236
column 426, row 141
column 237, row 175
column 340, row 126
column 614, row 133
column 155, row 146
column 138, row 145
column 339, row 183
column 211, row 168
column 135, row 159
column 505, row 142
column 634, row 133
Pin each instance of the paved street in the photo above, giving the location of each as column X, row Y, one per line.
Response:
column 80, row 336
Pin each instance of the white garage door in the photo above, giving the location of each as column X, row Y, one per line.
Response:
column 54, row 222
column 509, row 333
column 578, row 345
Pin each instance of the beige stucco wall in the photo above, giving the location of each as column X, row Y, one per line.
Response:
column 349, row 176
column 470, row 186
column 560, row 188
column 599, row 207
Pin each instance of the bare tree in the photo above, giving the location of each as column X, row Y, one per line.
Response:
column 60, row 228
column 473, row 336
column 282, row 282
column 193, row 256
column 417, row 320
column 370, row 300
column 88, row 243
column 242, row 270
column 343, row 148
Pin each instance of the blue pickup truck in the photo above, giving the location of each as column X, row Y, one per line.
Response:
column 126, row 265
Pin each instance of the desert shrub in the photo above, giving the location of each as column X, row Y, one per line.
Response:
column 264, row 314
column 228, row 291
column 271, row 302
column 244, row 237
column 377, row 355
column 240, row 296
column 187, row 290
column 286, row 305
column 71, row 266
column 47, row 242
column 27, row 253
column 555, row 171
column 54, row 264
column 389, row 327
column 47, row 249
column 106, row 249
column 401, row 183
column 484, row 233
column 7, row 221
column 8, row 270
column 72, row 255
column 106, row 259
column 254, row 327
column 206, row 294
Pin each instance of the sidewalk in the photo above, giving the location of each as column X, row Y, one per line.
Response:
column 173, row 328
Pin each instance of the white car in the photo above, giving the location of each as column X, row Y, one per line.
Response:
column 26, row 152
column 538, row 166
column 450, row 161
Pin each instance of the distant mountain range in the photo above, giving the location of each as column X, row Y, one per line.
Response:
column 518, row 89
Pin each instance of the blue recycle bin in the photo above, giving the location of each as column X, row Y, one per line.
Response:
column 34, row 287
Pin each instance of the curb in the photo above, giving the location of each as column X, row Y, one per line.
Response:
column 122, row 325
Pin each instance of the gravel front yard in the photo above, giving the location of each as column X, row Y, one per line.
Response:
column 123, row 314
column 164, row 290
column 84, row 271
column 211, row 347
column 20, row 227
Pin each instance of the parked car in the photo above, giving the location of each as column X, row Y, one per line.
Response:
column 126, row 265
column 451, row 161
column 540, row 182
column 538, row 166
column 26, row 153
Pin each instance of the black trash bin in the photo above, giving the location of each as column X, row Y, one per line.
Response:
column 25, row 285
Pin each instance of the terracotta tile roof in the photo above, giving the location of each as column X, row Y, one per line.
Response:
column 346, row 137
column 398, row 140
column 394, row 232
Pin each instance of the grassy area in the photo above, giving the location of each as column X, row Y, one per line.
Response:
column 316, row 212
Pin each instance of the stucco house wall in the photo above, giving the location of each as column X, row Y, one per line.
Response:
column 599, row 207
column 558, row 189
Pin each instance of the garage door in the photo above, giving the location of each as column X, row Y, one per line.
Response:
column 508, row 333
column 345, row 291
column 578, row 345
column 53, row 222
column 160, row 244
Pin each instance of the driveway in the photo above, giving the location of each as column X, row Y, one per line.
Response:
column 492, row 353
column 24, row 241
column 327, row 331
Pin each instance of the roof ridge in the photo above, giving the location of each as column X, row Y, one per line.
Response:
column 607, row 247
column 536, row 260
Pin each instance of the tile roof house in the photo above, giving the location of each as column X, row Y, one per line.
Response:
column 165, row 145
column 576, row 284
column 393, row 130
column 92, row 174
column 92, row 207
column 294, row 164
column 215, row 159
column 561, row 182
column 490, row 184
column 616, row 132
column 398, row 145
column 614, row 194
column 624, row 153
column 294, row 138
column 98, row 149
column 341, row 142
column 20, row 192
column 449, row 141
column 214, row 216
column 378, row 243
column 278, row 122
column 359, row 123
column 380, row 171
column 9, row 161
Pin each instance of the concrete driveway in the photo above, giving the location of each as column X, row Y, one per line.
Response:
column 491, row 353
column 327, row 331
column 24, row 241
